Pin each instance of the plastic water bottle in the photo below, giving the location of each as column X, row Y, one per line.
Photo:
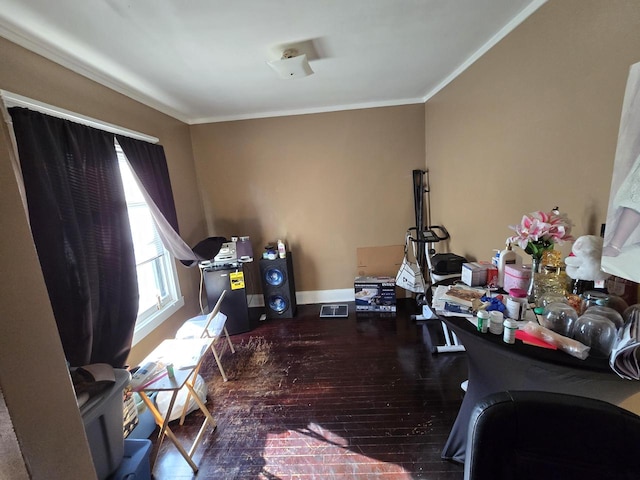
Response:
column 282, row 251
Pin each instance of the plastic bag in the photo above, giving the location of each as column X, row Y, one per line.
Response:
column 409, row 275
column 164, row 398
column 567, row 345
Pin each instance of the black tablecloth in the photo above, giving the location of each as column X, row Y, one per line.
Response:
column 495, row 366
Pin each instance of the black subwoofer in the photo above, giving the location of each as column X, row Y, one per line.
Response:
column 278, row 287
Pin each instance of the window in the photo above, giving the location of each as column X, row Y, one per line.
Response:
column 157, row 278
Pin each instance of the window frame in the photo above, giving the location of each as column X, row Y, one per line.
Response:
column 151, row 318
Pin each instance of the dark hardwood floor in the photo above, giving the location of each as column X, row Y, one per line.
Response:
column 359, row 397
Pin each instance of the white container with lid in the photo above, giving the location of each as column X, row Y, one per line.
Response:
column 483, row 321
column 510, row 327
column 517, row 303
column 496, row 325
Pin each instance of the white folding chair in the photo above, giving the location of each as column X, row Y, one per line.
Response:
column 211, row 325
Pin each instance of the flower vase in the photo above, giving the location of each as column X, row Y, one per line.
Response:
column 536, row 262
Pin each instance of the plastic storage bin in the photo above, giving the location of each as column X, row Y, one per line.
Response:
column 135, row 461
column 102, row 417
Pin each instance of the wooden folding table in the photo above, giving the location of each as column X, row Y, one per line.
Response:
column 185, row 355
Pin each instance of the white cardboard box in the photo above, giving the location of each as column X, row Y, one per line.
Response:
column 474, row 274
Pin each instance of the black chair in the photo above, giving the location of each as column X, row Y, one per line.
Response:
column 525, row 435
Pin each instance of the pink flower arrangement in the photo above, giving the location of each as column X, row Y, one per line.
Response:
column 540, row 231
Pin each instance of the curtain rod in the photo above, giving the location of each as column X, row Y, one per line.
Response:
column 15, row 100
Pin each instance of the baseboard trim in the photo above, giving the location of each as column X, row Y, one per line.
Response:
column 312, row 296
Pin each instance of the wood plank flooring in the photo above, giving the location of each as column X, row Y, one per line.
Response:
column 315, row 398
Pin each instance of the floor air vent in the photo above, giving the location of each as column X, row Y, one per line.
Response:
column 334, row 311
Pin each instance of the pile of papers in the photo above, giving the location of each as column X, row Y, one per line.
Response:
column 146, row 374
column 456, row 300
column 624, row 356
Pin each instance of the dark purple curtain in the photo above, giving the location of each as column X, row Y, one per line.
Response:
column 150, row 164
column 80, row 227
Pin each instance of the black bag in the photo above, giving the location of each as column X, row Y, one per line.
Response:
column 447, row 263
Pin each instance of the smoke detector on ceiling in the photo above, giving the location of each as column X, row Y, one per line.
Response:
column 292, row 65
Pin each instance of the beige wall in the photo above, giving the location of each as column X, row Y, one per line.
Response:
column 32, row 370
column 325, row 183
column 533, row 124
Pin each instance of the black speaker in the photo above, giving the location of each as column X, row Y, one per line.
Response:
column 278, row 287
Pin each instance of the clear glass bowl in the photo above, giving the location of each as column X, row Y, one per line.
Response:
column 559, row 317
column 607, row 312
column 550, row 297
column 597, row 332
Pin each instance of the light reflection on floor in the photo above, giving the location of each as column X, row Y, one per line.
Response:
column 325, row 450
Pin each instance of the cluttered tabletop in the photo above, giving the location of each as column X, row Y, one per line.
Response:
column 598, row 338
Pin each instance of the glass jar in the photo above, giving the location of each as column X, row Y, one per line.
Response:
column 559, row 317
column 597, row 332
column 552, row 258
column 549, row 298
column 607, row 312
column 593, row 298
column 551, row 280
column 517, row 303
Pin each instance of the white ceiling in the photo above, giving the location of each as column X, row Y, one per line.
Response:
column 205, row 60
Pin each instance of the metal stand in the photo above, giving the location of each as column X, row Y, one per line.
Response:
column 451, row 342
column 425, row 238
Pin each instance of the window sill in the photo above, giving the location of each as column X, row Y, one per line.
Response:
column 156, row 320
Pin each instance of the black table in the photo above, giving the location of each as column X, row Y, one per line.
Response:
column 495, row 366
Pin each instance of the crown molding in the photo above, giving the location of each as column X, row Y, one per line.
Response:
column 49, row 51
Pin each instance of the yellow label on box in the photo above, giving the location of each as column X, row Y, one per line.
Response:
column 237, row 280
